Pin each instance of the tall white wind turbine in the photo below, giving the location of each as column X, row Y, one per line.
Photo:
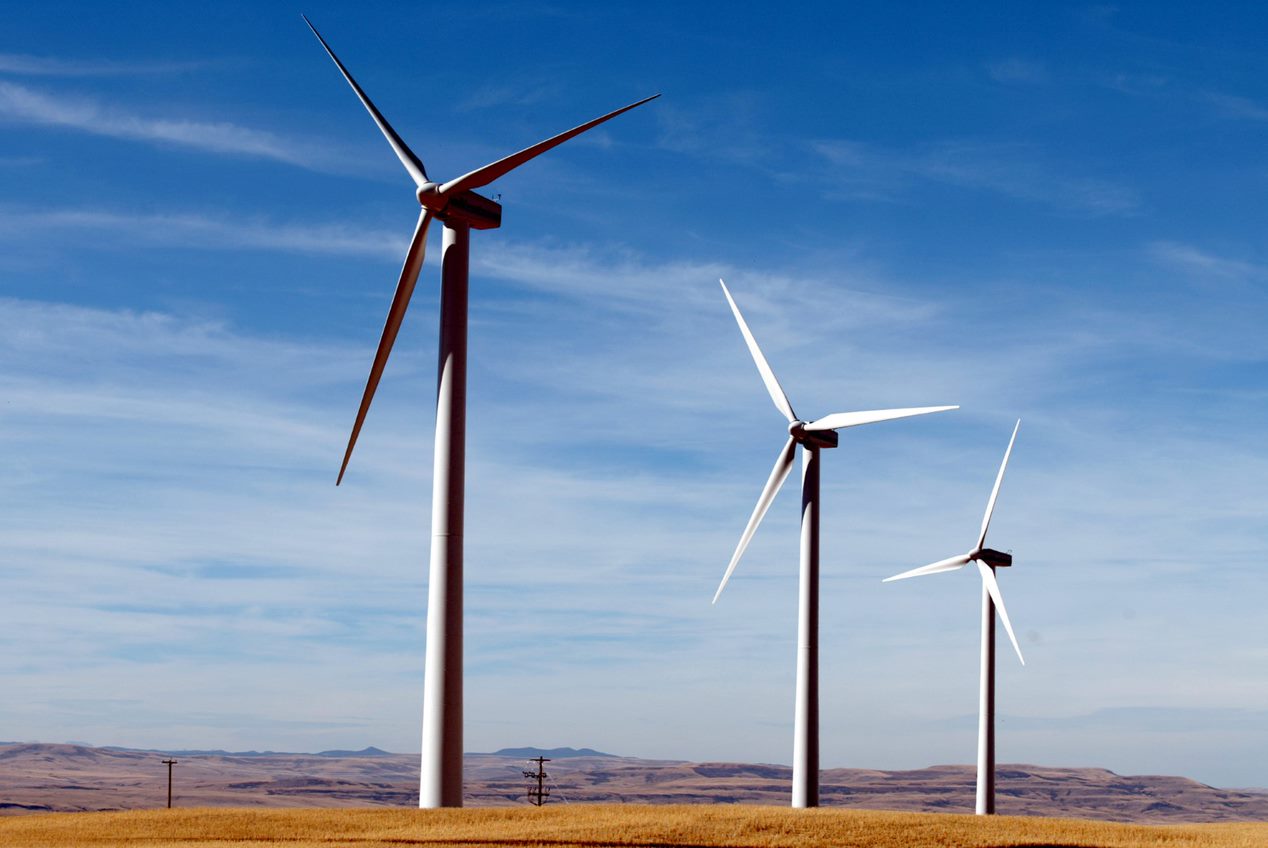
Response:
column 456, row 205
column 812, row 436
column 987, row 561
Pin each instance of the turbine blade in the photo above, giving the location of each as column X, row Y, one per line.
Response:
column 999, row 478
column 763, row 367
column 988, row 577
column 839, row 420
column 948, row 564
column 487, row 174
column 411, row 162
column 778, row 474
column 400, row 302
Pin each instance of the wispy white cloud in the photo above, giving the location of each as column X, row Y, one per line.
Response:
column 1196, row 261
column 201, row 231
column 1152, row 718
column 1016, row 70
column 52, row 66
column 516, row 93
column 726, row 125
column 1138, row 84
column 22, row 103
column 1234, row 106
column 1015, row 171
column 1159, row 86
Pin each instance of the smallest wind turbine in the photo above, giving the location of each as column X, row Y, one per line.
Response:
column 987, row 561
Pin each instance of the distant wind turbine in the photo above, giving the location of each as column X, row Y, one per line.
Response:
column 987, row 561
column 812, row 436
column 459, row 209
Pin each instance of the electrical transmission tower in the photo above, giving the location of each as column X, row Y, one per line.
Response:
column 539, row 793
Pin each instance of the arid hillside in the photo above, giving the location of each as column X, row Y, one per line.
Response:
column 51, row 778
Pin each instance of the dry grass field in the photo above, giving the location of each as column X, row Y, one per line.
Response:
column 600, row 825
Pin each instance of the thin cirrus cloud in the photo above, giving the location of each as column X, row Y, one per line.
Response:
column 1017, row 70
column 200, row 231
column 1235, row 106
column 52, row 66
column 725, row 126
column 862, row 171
column 590, row 275
column 25, row 104
column 1193, row 260
column 520, row 93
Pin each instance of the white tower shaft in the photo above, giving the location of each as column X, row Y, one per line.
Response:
column 805, row 782
column 986, row 710
column 440, row 780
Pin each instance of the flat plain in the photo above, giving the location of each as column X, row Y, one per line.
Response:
column 605, row 825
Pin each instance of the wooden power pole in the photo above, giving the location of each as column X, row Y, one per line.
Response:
column 538, row 794
column 169, row 764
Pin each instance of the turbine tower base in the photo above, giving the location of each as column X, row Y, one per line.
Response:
column 440, row 777
column 986, row 712
column 805, row 779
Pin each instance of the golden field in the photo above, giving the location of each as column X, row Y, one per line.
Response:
column 600, row 825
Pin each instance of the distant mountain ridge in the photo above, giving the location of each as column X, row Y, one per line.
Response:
column 370, row 751
column 552, row 753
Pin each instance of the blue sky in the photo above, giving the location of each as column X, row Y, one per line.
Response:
column 1048, row 213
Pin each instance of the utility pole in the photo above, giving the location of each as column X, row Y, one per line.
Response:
column 169, row 764
column 538, row 794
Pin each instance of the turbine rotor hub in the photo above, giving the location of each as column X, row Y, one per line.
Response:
column 813, row 439
column 429, row 195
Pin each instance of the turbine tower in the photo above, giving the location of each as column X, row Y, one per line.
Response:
column 459, row 209
column 812, row 436
column 987, row 561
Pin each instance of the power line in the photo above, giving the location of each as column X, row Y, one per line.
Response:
column 558, row 791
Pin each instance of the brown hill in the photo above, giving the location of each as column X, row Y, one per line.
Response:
column 44, row 778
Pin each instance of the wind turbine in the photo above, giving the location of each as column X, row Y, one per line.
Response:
column 987, row 561
column 812, row 436
column 459, row 209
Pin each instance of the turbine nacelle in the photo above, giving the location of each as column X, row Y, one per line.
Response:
column 814, row 439
column 474, row 210
column 464, row 207
column 993, row 558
